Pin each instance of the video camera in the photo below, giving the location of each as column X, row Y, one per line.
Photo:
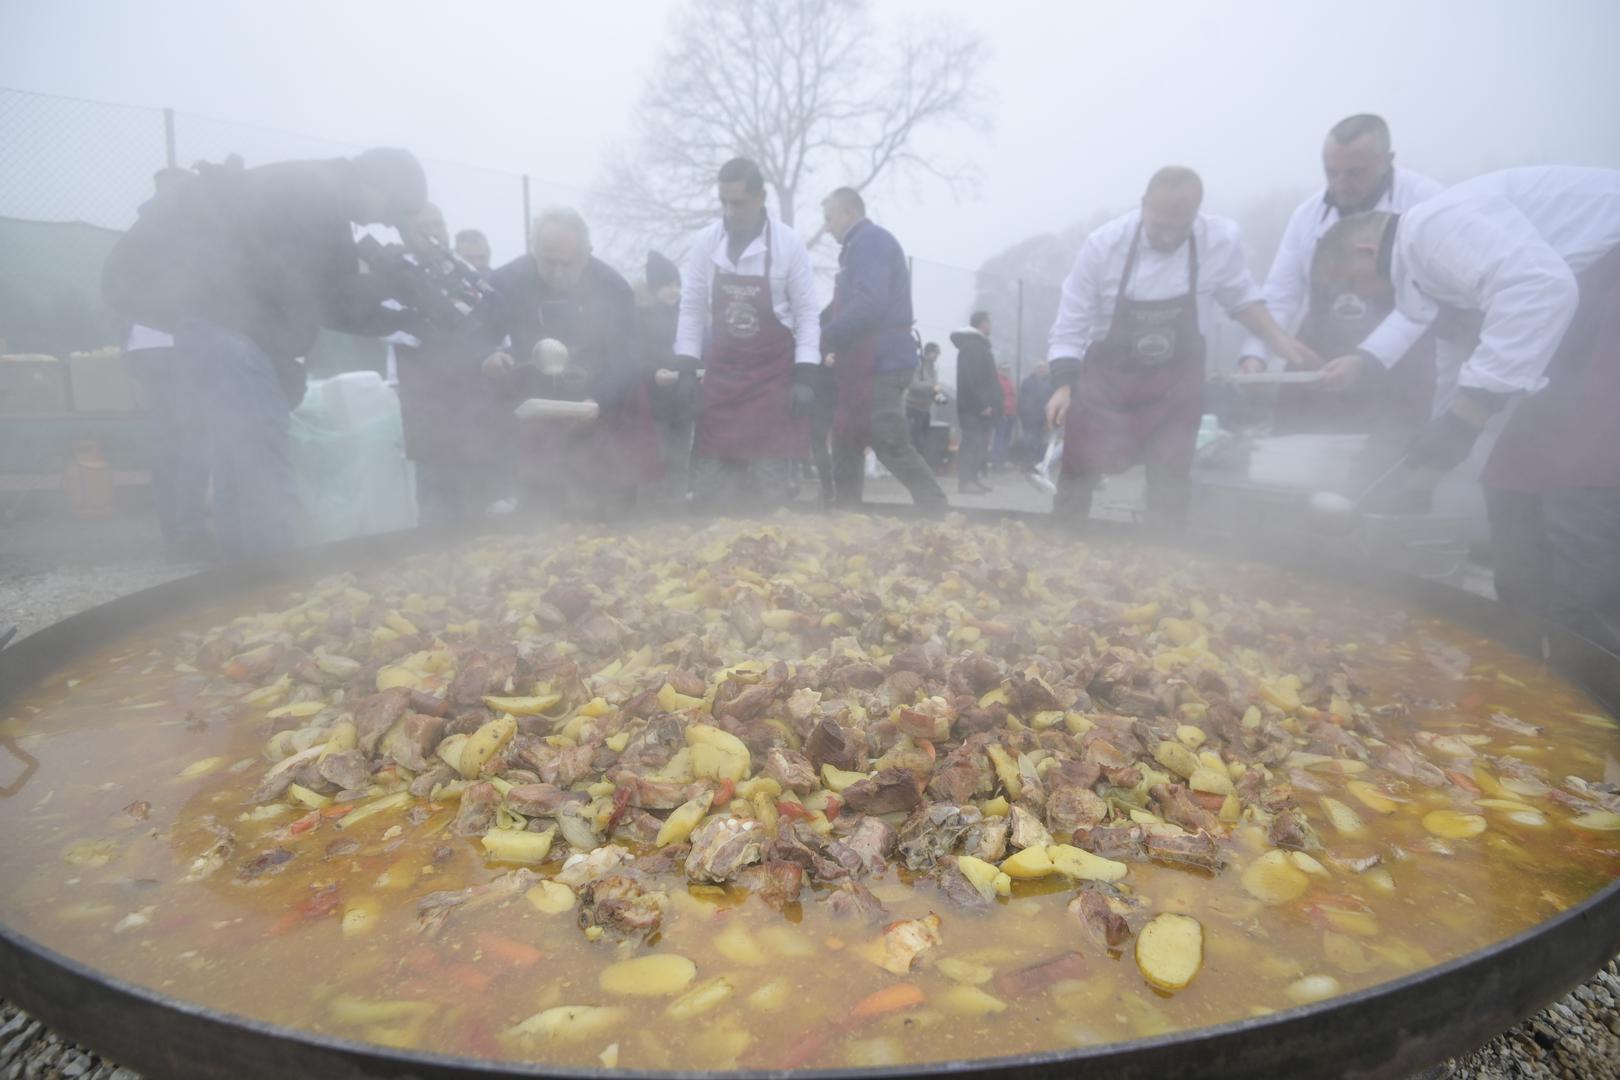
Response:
column 439, row 290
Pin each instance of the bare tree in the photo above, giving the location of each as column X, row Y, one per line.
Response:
column 805, row 88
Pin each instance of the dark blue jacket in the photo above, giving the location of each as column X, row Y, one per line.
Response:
column 872, row 295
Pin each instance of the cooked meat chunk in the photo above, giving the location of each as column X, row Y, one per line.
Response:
column 801, row 844
column 908, row 939
column 433, row 909
column 955, row 887
column 538, row 800
column 964, row 774
column 933, row 832
column 479, row 674
column 422, row 784
column 791, row 769
column 1070, row 807
column 1112, row 841
column 775, row 881
column 621, row 905
column 852, row 900
column 1026, row 830
column 1037, row 977
column 265, row 863
column 1177, row 805
column 723, row 846
column 830, row 744
column 1102, row 922
column 987, row 840
column 477, row 813
column 1194, row 850
column 1289, row 829
column 866, row 848
column 413, row 742
column 348, row 769
column 886, row 791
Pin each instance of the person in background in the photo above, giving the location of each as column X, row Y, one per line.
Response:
column 1380, row 365
column 1001, row 436
column 244, row 267
column 570, row 324
column 921, row 395
column 173, row 404
column 1520, row 271
column 749, row 310
column 472, row 247
column 873, row 354
column 447, row 411
column 1127, row 347
column 979, row 401
column 1033, row 393
column 675, row 386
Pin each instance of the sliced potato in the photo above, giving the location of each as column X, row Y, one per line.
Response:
column 572, row 1023
column 717, row 754
column 702, row 998
column 965, row 971
column 1596, row 821
column 685, row 817
column 736, row 943
column 1454, row 824
column 1344, row 819
column 1274, row 879
column 1177, row 758
column 655, row 975
column 484, row 744
column 1372, row 798
column 551, row 897
column 360, row 917
column 1170, row 950
column 836, row 779
column 513, row 846
column 1082, row 865
column 1312, row 988
column 1032, row 862
column 969, row 1000
column 533, row 705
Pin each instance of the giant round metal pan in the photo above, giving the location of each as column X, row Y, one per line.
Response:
column 1394, row 1029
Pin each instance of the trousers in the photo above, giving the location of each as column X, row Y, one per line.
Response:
column 173, row 395
column 1556, row 554
column 890, row 438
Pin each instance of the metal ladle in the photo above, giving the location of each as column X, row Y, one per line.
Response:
column 1338, row 515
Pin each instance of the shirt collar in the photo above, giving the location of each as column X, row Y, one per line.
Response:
column 723, row 243
column 1380, row 193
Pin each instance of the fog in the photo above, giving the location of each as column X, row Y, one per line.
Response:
column 1088, row 98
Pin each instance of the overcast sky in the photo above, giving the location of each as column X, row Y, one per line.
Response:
column 1089, row 97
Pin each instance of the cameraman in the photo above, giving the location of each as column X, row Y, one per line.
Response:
column 244, row 267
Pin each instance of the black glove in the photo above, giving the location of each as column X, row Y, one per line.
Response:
column 1449, row 438
column 806, row 381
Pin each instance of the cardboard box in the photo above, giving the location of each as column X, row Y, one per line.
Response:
column 102, row 382
column 32, row 383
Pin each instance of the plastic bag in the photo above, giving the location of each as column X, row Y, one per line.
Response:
column 348, row 455
column 1045, row 477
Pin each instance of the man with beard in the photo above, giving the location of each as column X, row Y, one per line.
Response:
column 569, row 319
column 1379, row 375
column 749, row 292
column 1520, row 271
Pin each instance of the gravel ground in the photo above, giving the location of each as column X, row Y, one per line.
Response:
column 52, row 567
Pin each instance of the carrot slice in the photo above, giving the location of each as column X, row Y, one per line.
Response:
column 508, row 951
column 887, row 1000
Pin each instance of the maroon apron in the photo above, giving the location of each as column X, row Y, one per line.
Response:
column 1566, row 435
column 1394, row 402
column 1140, row 393
column 748, row 374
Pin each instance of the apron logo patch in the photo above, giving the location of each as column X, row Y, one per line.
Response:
column 1154, row 348
column 1349, row 307
column 741, row 320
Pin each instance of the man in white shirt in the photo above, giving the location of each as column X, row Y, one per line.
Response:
column 1380, row 367
column 1127, row 348
column 1521, row 270
column 749, row 286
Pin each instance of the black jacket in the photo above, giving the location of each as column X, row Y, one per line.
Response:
column 597, row 321
column 267, row 252
column 977, row 387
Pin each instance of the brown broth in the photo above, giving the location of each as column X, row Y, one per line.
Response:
column 110, row 732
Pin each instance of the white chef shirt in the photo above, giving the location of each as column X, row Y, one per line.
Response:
column 1089, row 292
column 1288, row 286
column 1507, row 244
column 144, row 337
column 793, row 287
